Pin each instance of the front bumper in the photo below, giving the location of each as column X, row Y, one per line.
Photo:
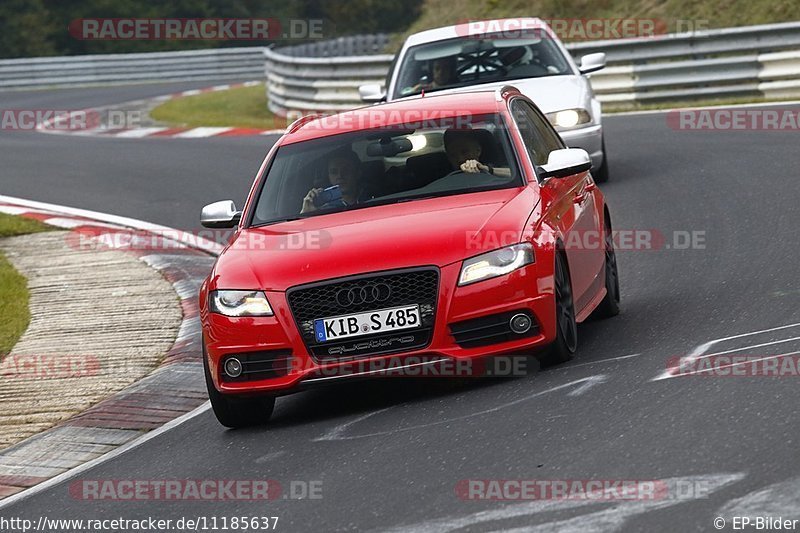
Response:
column 590, row 139
column 525, row 290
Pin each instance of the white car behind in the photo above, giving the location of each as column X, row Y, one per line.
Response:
column 490, row 54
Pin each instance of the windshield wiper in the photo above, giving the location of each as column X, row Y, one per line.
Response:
column 277, row 221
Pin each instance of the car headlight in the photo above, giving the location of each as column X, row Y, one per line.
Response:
column 239, row 303
column 569, row 118
column 496, row 263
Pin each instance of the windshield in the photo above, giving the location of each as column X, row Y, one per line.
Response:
column 375, row 167
column 468, row 61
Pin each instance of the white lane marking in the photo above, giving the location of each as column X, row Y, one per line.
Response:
column 338, row 432
column 779, row 499
column 739, row 363
column 14, row 210
column 269, row 457
column 70, row 223
column 608, row 519
column 733, row 350
column 612, row 359
column 703, row 348
column 138, row 132
column 125, row 448
column 673, row 371
column 585, row 386
column 195, row 133
column 183, row 236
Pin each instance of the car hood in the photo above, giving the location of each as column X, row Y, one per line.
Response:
column 436, row 231
column 550, row 93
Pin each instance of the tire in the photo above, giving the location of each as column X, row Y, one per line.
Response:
column 237, row 412
column 601, row 176
column 566, row 343
column 610, row 305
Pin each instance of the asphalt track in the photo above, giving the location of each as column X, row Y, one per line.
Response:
column 389, row 454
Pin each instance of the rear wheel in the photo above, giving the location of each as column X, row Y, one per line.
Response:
column 237, row 412
column 563, row 348
column 610, row 305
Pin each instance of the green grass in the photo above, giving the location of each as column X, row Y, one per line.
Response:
column 14, row 313
column 244, row 107
column 11, row 226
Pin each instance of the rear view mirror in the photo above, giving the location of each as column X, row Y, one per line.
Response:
column 220, row 215
column 388, row 147
column 565, row 162
column 592, row 62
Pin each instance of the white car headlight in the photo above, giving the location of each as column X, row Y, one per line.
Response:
column 496, row 263
column 239, row 303
column 569, row 118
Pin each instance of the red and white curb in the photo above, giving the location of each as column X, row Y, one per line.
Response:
column 173, row 393
column 49, row 126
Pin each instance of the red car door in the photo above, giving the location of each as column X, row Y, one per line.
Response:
column 568, row 205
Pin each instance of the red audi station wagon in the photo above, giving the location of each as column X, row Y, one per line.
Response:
column 421, row 231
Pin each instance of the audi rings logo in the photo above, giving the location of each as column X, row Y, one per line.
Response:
column 367, row 294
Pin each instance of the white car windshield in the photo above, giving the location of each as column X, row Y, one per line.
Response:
column 469, row 61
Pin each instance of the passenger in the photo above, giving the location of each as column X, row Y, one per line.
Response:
column 344, row 170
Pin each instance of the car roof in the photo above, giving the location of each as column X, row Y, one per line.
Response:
column 473, row 28
column 412, row 110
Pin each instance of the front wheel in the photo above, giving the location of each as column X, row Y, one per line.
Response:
column 563, row 348
column 237, row 412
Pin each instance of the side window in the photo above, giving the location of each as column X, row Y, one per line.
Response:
column 536, row 133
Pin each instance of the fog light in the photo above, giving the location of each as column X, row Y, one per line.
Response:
column 520, row 323
column 233, row 367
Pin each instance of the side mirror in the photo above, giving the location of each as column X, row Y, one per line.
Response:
column 592, row 62
column 220, row 215
column 565, row 162
column 371, row 93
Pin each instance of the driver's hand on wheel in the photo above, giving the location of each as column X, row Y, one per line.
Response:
column 473, row 166
column 308, row 201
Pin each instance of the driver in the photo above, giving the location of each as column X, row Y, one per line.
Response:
column 443, row 74
column 463, row 150
column 344, row 170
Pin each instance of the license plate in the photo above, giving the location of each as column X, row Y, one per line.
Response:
column 368, row 323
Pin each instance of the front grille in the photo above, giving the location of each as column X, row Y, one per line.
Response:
column 331, row 298
column 260, row 365
column 488, row 330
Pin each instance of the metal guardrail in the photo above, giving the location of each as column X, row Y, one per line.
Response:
column 70, row 71
column 353, row 45
column 301, row 83
column 747, row 39
column 749, row 61
column 772, row 75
